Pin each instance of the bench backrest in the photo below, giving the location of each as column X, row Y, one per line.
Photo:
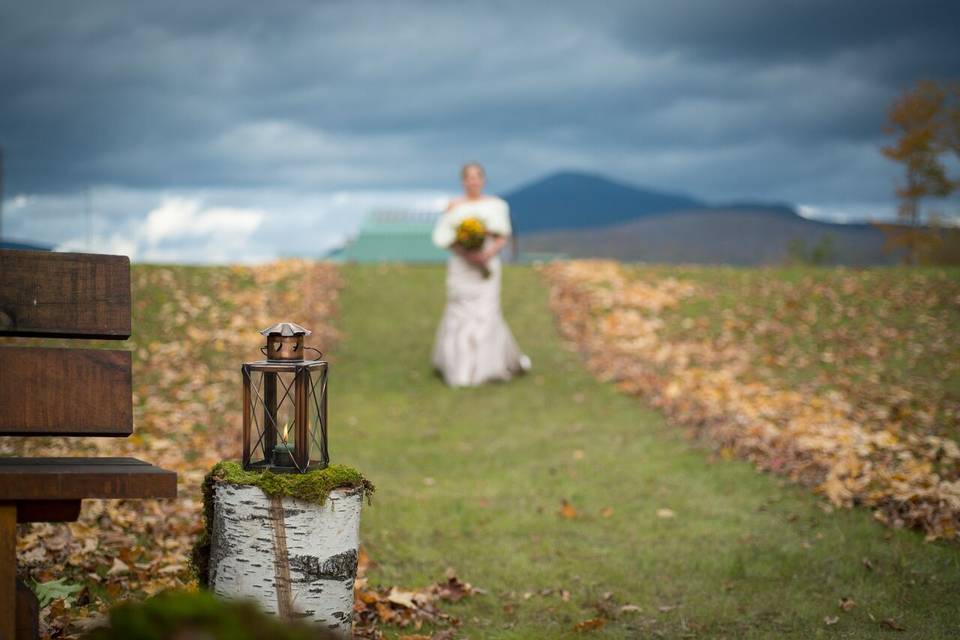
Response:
column 57, row 391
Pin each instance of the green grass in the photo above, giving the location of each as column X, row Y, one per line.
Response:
column 473, row 479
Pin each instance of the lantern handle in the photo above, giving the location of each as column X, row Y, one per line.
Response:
column 319, row 353
column 263, row 349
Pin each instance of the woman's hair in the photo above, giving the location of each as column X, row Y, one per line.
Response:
column 472, row 165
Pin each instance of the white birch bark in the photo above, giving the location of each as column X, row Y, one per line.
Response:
column 296, row 559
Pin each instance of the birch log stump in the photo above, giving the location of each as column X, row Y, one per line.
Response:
column 295, row 558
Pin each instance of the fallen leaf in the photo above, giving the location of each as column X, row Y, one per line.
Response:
column 592, row 624
column 402, row 598
column 118, row 567
column 567, row 510
column 891, row 623
column 830, row 620
column 847, row 604
column 606, row 512
column 666, row 513
column 630, row 608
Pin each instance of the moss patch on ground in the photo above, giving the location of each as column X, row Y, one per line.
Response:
column 313, row 486
column 180, row 614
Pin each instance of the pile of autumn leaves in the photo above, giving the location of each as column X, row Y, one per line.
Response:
column 406, row 608
column 719, row 378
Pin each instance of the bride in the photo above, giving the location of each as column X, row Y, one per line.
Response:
column 474, row 344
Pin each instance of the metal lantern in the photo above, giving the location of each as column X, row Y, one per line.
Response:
column 285, row 405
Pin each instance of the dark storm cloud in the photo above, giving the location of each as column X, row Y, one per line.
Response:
column 719, row 98
column 762, row 32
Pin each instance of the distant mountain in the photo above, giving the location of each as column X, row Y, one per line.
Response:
column 570, row 200
column 586, row 215
column 745, row 235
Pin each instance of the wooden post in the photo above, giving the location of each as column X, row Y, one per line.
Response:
column 8, row 570
column 28, row 613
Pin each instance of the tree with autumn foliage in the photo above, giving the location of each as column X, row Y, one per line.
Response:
column 926, row 121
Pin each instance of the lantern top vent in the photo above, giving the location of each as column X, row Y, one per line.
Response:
column 285, row 329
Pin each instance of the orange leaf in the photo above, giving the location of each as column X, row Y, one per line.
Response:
column 592, row 624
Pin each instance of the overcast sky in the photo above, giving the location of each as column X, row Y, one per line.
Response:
column 191, row 122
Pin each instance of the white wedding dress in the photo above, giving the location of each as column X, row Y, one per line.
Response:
column 474, row 344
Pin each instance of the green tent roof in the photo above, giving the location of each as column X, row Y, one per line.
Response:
column 394, row 237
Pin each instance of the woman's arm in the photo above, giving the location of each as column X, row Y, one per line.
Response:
column 493, row 247
column 481, row 258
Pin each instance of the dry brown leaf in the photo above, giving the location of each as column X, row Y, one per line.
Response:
column 893, row 624
column 592, row 624
column 402, row 598
column 567, row 510
column 119, row 567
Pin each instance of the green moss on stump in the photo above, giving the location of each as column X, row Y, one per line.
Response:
column 313, row 486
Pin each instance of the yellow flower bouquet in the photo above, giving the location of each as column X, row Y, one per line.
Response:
column 471, row 233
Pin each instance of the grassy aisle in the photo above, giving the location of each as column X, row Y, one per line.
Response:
column 474, row 479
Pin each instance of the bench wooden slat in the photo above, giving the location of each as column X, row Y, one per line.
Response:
column 76, row 462
column 76, row 392
column 47, row 510
column 83, row 478
column 64, row 295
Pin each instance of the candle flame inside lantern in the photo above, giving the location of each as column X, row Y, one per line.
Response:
column 286, row 430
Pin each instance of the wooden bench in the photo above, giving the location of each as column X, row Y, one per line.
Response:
column 59, row 392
